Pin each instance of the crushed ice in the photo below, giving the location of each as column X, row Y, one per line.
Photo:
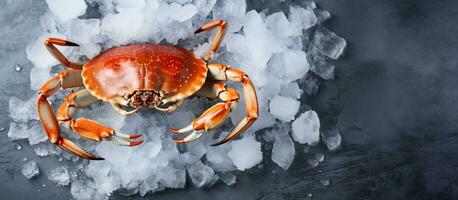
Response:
column 283, row 52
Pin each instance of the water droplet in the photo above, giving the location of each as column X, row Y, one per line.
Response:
column 319, row 157
column 2, row 129
column 24, row 159
column 260, row 166
column 312, row 162
column 60, row 159
column 17, row 68
column 310, row 195
column 18, row 147
column 325, row 182
column 44, row 185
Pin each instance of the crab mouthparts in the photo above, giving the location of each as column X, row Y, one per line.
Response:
column 143, row 98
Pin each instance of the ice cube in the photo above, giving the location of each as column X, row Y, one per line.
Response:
column 245, row 153
column 260, row 40
column 301, row 19
column 22, row 111
column 332, row 138
column 291, row 90
column 323, row 68
column 218, row 158
column 201, row 174
column 36, row 134
column 306, row 128
column 283, row 150
column 179, row 12
column 59, row 176
column 290, row 65
column 284, row 108
column 228, row 178
column 322, row 15
column 18, row 131
column 67, row 11
column 204, row 6
column 231, row 11
column 30, row 169
column 279, row 25
column 328, row 43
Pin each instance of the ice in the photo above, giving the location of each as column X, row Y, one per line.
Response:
column 257, row 34
column 30, row 169
column 306, row 128
column 291, row 90
column 22, row 111
column 231, row 11
column 18, row 131
column 228, row 178
column 284, row 108
column 219, row 159
column 59, row 176
column 181, row 13
column 245, row 153
column 322, row 15
column 289, row 65
column 328, row 43
column 323, row 68
column 281, row 52
column 332, row 138
column 283, row 150
column 67, row 11
column 201, row 174
column 301, row 19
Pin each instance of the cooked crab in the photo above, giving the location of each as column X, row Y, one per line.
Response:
column 143, row 76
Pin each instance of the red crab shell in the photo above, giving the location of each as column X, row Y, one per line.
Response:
column 117, row 71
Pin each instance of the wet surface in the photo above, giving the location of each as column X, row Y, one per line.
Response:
column 393, row 98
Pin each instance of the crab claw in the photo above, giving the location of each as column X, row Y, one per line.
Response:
column 124, row 142
column 193, row 136
column 186, row 129
column 126, row 136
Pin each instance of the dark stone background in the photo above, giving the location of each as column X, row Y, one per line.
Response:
column 394, row 97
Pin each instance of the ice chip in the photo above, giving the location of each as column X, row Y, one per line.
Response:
column 283, row 150
column 323, row 68
column 22, row 111
column 181, row 13
column 201, row 174
column 328, row 43
column 231, row 11
column 60, row 176
column 301, row 19
column 284, row 108
column 18, row 131
column 67, row 10
column 332, row 138
column 306, row 128
column 290, row 65
column 245, row 153
column 228, row 178
column 30, row 169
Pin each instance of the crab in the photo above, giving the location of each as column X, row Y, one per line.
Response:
column 137, row 76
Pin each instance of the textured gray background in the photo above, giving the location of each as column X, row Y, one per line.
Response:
column 394, row 99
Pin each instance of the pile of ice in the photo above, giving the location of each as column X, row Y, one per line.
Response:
column 285, row 53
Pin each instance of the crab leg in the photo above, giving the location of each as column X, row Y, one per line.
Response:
column 215, row 115
column 65, row 79
column 88, row 128
column 50, row 42
column 223, row 72
column 222, row 27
